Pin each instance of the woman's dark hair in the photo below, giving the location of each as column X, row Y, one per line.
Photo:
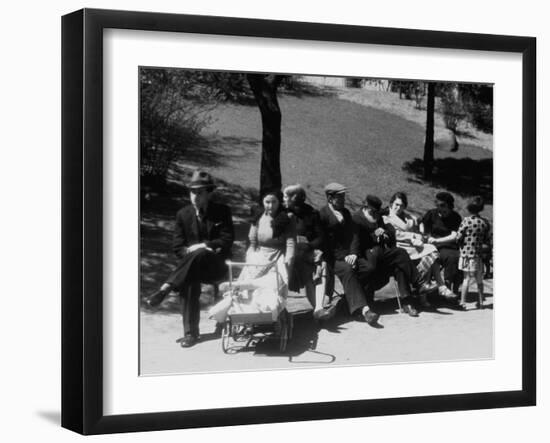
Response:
column 276, row 193
column 401, row 196
column 280, row 218
column 256, row 211
column 373, row 202
column 445, row 197
column 475, row 205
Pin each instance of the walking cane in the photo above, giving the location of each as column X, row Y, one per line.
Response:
column 395, row 285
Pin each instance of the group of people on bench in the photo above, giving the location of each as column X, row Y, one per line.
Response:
column 363, row 250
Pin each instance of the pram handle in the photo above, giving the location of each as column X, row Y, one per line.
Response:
column 234, row 263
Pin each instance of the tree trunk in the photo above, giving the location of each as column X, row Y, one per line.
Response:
column 264, row 88
column 429, row 141
column 454, row 141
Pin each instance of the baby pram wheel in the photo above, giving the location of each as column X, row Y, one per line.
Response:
column 244, row 327
column 226, row 335
column 239, row 335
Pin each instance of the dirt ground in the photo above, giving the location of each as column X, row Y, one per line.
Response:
column 443, row 333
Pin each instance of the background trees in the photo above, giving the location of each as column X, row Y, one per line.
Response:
column 174, row 105
column 265, row 92
column 459, row 103
column 429, row 139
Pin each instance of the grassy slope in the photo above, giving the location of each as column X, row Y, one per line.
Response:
column 407, row 109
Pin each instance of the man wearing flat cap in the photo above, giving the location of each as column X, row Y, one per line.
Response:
column 377, row 245
column 343, row 255
column 202, row 241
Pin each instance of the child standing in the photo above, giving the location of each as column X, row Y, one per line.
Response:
column 472, row 234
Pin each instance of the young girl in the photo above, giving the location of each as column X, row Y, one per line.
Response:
column 472, row 234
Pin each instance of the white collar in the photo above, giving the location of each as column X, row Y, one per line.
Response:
column 339, row 216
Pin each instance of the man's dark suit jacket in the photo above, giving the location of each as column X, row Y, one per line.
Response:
column 365, row 232
column 219, row 230
column 341, row 239
column 308, row 225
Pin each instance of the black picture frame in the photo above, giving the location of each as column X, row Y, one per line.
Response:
column 82, row 218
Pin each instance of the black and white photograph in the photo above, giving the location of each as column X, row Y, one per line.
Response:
column 293, row 221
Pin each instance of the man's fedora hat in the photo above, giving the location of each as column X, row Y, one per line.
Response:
column 201, row 179
column 373, row 202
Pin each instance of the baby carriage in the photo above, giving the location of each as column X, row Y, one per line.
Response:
column 253, row 310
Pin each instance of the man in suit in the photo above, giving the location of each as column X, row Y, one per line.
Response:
column 309, row 270
column 343, row 255
column 202, row 242
column 377, row 246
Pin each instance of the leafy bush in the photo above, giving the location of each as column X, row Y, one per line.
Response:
column 478, row 102
column 451, row 106
column 174, row 105
column 469, row 102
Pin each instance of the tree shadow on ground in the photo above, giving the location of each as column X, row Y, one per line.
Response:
column 462, row 176
column 215, row 151
column 241, row 199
